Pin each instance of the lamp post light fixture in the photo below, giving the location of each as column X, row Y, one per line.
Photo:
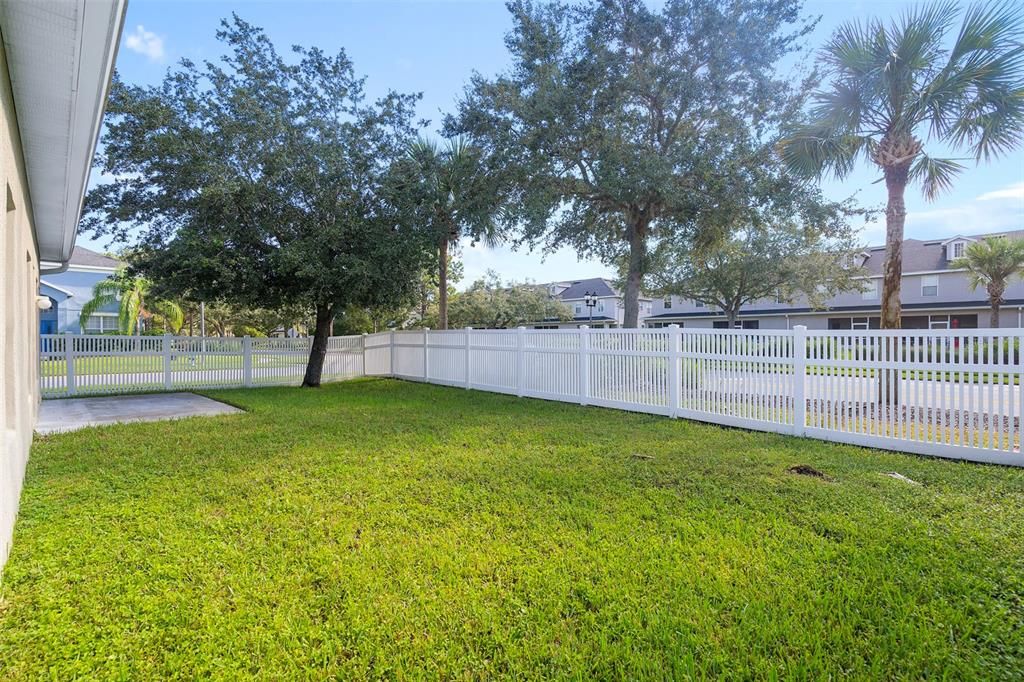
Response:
column 590, row 300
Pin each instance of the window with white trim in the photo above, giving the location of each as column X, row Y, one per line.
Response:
column 667, row 302
column 930, row 285
column 698, row 304
column 958, row 250
column 101, row 323
column 938, row 321
column 870, row 291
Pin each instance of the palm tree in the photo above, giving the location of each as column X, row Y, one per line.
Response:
column 455, row 196
column 132, row 294
column 992, row 263
column 895, row 87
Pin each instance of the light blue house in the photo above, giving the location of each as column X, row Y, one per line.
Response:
column 68, row 291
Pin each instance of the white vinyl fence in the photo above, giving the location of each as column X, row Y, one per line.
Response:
column 78, row 365
column 949, row 393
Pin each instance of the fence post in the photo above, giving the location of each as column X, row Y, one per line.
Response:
column 584, row 364
column 469, row 362
column 675, row 374
column 69, row 363
column 247, row 361
column 799, row 380
column 362, row 371
column 168, row 376
column 391, row 364
column 1017, row 355
column 520, row 336
column 426, row 359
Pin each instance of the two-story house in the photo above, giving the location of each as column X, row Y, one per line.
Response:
column 934, row 295
column 71, row 289
column 607, row 309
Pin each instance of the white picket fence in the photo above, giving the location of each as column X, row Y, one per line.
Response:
column 80, row 365
column 949, row 393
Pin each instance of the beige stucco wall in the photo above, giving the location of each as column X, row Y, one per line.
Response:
column 19, row 320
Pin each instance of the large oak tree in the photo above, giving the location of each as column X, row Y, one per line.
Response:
column 619, row 125
column 262, row 181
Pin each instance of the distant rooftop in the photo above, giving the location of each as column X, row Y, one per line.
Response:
column 89, row 258
column 925, row 255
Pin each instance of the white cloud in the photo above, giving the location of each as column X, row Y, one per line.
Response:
column 145, row 43
column 996, row 211
column 1015, row 191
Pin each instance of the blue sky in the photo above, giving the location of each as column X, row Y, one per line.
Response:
column 434, row 47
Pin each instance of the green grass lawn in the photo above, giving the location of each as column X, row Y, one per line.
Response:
column 383, row 529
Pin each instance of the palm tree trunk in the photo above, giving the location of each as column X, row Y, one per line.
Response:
column 892, row 274
column 318, row 350
column 634, row 277
column 993, row 318
column 442, row 283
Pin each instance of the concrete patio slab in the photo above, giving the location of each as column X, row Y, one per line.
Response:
column 57, row 416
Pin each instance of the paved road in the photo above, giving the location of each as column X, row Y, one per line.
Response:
column 920, row 393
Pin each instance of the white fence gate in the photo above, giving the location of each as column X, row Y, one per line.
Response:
column 949, row 393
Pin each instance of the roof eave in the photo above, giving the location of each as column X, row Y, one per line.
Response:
column 80, row 90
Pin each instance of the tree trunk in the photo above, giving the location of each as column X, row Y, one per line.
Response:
column 995, row 298
column 318, row 351
column 634, row 277
column 442, row 284
column 895, row 217
column 731, row 315
column 892, row 274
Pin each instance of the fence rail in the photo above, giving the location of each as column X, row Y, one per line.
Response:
column 948, row 393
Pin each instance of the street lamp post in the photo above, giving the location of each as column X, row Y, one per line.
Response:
column 590, row 300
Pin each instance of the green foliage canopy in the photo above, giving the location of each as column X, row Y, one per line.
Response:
column 262, row 182
column 618, row 125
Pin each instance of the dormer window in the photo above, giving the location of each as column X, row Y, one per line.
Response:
column 955, row 247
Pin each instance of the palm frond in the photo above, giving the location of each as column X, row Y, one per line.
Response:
column 170, row 313
column 935, row 175
column 104, row 293
column 814, row 150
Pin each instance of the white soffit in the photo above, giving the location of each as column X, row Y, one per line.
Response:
column 60, row 54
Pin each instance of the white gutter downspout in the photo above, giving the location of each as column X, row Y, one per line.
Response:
column 54, row 271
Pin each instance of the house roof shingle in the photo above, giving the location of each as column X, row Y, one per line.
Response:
column 579, row 288
column 924, row 255
column 89, row 258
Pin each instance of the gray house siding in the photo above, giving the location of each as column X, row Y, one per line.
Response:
column 932, row 294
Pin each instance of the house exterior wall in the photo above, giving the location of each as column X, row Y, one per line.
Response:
column 19, row 348
column 953, row 296
column 68, row 309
